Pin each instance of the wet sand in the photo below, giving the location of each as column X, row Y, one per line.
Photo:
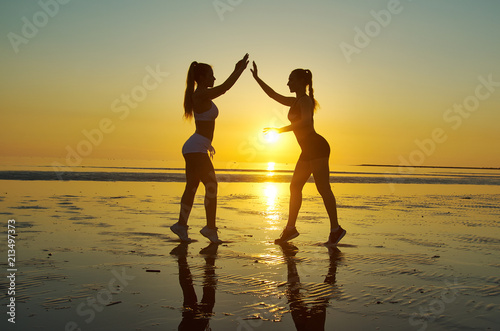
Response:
column 100, row 256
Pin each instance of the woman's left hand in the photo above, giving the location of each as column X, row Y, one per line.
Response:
column 277, row 130
column 254, row 71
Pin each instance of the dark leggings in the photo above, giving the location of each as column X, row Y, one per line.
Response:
column 199, row 168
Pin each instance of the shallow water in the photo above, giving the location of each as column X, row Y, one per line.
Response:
column 389, row 175
column 419, row 256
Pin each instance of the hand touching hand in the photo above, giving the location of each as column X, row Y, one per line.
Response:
column 242, row 64
column 254, row 71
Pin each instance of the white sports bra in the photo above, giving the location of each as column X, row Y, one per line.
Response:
column 209, row 115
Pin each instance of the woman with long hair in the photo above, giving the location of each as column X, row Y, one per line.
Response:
column 200, row 92
column 315, row 152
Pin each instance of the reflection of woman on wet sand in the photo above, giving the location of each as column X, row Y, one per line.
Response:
column 314, row 156
column 196, row 316
column 304, row 318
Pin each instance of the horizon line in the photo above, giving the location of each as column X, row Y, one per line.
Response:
column 422, row 166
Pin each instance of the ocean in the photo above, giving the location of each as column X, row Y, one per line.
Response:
column 348, row 174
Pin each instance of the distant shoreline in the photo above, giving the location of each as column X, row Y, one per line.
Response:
column 432, row 167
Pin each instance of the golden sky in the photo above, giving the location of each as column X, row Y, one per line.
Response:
column 397, row 81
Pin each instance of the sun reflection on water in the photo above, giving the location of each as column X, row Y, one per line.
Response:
column 271, row 258
column 271, row 200
column 270, row 169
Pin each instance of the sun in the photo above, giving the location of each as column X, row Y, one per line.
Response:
column 271, row 136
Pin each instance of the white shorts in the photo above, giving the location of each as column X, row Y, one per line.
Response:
column 198, row 144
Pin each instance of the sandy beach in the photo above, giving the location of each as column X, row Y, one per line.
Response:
column 100, row 256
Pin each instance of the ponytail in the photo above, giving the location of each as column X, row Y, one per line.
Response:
column 195, row 73
column 188, row 95
column 308, row 79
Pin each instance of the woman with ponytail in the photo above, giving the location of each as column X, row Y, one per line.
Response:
column 200, row 92
column 315, row 152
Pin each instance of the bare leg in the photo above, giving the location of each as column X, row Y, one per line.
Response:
column 301, row 174
column 199, row 167
column 187, row 204
column 210, row 183
column 321, row 173
column 192, row 182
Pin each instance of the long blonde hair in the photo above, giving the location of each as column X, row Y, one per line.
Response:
column 195, row 72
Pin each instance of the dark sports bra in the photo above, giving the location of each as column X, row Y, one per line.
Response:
column 294, row 113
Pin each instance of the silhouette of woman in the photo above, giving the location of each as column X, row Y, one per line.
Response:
column 196, row 315
column 314, row 156
column 198, row 103
column 309, row 311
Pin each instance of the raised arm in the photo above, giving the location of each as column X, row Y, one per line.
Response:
column 219, row 90
column 287, row 101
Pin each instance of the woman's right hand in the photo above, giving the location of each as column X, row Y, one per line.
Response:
column 254, row 71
